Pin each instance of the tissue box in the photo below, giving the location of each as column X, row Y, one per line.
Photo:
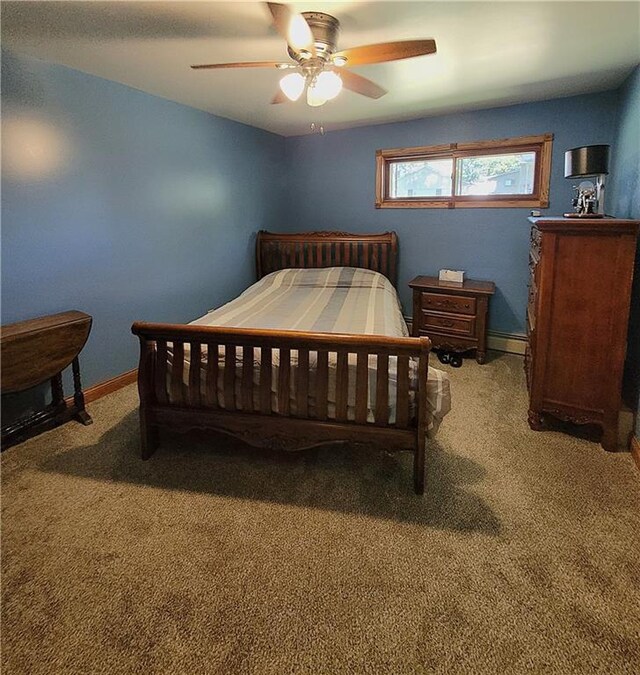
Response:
column 452, row 276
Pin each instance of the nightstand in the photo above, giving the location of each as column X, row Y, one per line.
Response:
column 454, row 316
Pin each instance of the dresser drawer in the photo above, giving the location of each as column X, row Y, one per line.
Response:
column 459, row 325
column 449, row 303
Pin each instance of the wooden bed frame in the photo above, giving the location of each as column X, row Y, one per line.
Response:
column 166, row 401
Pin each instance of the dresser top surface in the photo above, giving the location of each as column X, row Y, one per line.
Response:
column 603, row 225
column 426, row 283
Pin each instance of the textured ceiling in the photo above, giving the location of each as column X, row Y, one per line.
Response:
column 489, row 53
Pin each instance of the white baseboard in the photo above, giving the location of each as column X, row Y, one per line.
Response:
column 512, row 343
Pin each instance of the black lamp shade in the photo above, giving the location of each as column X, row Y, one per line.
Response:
column 590, row 160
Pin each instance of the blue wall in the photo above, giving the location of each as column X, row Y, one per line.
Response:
column 128, row 206
column 124, row 205
column 330, row 185
column 624, row 202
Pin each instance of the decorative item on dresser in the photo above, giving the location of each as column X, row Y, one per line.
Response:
column 579, row 296
column 452, row 315
column 38, row 350
column 587, row 162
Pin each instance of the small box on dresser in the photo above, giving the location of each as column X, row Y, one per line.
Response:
column 453, row 316
column 580, row 274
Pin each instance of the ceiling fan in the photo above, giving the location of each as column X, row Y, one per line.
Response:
column 319, row 68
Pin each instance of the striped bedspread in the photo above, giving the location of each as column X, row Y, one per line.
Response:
column 332, row 300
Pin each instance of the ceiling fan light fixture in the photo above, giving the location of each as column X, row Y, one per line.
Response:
column 314, row 99
column 292, row 86
column 328, row 85
column 339, row 60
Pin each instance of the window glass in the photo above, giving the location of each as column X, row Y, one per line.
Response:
column 420, row 178
column 511, row 174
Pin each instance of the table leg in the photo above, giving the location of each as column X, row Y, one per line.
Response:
column 57, row 393
column 78, row 396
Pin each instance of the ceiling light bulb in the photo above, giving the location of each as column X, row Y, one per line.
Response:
column 328, row 85
column 339, row 60
column 314, row 98
column 292, row 86
column 299, row 32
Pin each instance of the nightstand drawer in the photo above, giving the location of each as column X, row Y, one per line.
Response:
column 448, row 323
column 449, row 303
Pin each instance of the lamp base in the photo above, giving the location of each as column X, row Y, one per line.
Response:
column 583, row 215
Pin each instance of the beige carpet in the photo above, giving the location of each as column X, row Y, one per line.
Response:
column 522, row 556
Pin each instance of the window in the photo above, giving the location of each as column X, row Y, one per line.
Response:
column 505, row 173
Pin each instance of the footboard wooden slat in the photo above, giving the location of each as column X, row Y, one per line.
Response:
column 362, row 387
column 265, row 380
column 302, row 383
column 342, row 385
column 284, row 382
column 212, row 375
column 177, row 373
column 402, row 392
column 382, row 390
column 161, row 372
column 322, row 384
column 195, row 365
column 421, row 429
column 229, row 379
column 247, row 379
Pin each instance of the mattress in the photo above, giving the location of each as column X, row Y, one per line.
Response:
column 331, row 300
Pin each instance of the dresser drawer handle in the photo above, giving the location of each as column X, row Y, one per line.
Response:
column 446, row 322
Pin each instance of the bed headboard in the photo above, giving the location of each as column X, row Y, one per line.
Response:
column 378, row 252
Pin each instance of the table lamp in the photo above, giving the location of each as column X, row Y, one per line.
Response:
column 587, row 162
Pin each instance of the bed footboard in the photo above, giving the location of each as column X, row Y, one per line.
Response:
column 180, row 390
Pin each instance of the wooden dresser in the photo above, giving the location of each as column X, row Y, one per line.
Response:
column 579, row 295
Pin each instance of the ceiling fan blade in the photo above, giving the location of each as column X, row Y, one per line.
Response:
column 387, row 51
column 359, row 84
column 281, row 15
column 243, row 64
column 292, row 26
